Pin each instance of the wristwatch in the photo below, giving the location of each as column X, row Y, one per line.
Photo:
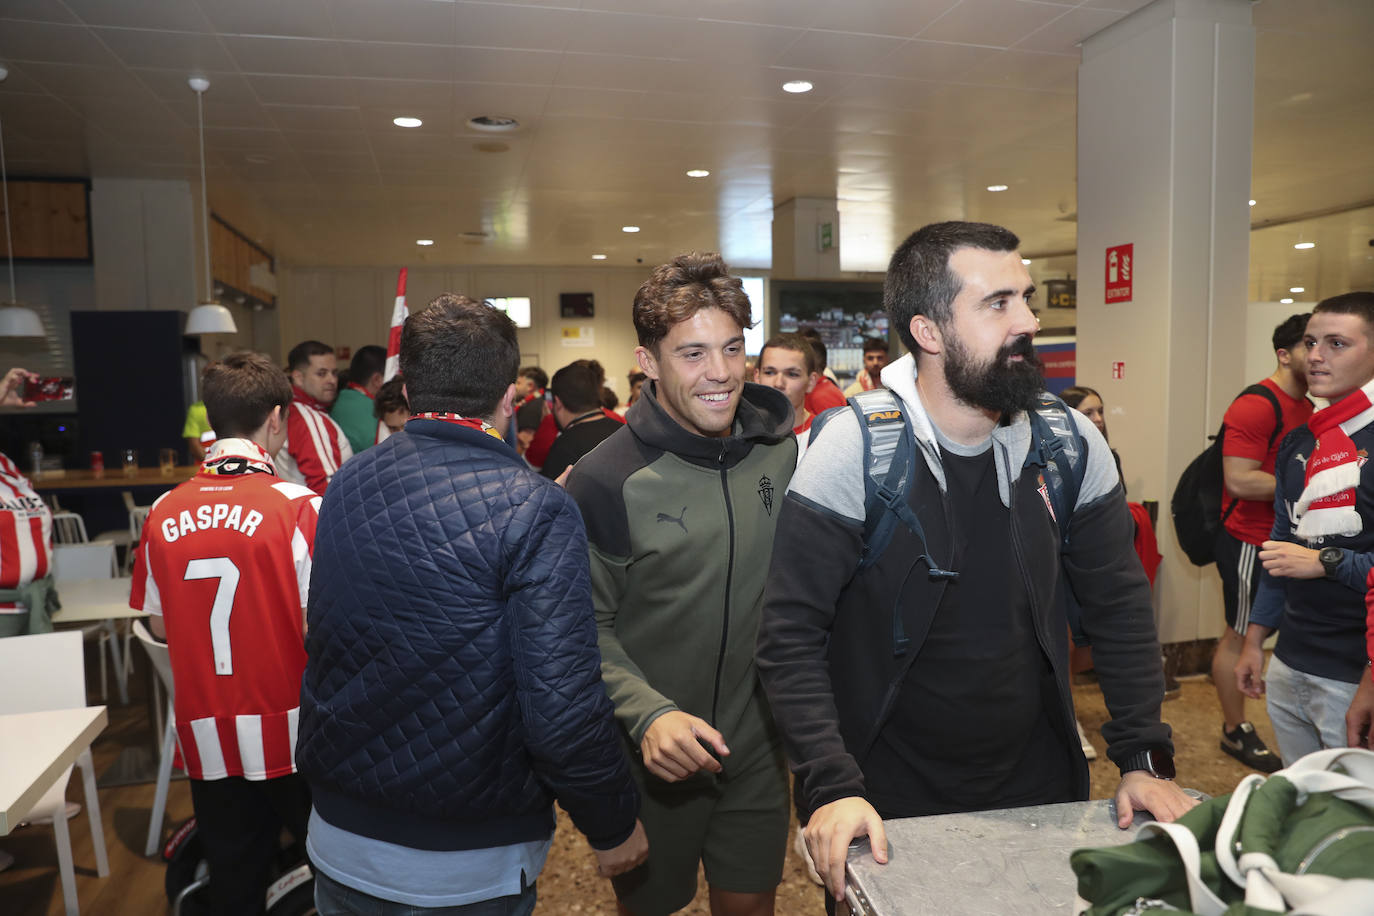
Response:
column 1156, row 761
column 1330, row 559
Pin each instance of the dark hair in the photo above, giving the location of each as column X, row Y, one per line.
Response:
column 874, row 343
column 609, row 399
column 635, row 377
column 578, row 385
column 458, row 356
column 1359, row 303
column 1077, row 394
column 795, row 342
column 813, row 337
column 541, row 378
column 299, row 357
column 679, row 289
column 389, row 397
column 919, row 279
column 367, row 362
column 240, row 390
column 1289, row 334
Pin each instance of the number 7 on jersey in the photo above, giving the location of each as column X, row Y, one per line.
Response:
column 223, row 569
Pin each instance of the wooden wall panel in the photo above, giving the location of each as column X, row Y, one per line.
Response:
column 50, row 220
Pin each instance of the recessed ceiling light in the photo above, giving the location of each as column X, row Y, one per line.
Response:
column 425, row 242
column 598, row 257
column 1252, row 203
column 629, row 228
column 1303, row 246
column 407, row 122
column 493, row 124
column 697, row 173
column 1285, row 302
column 997, row 187
column 1297, row 289
column 797, row 86
column 1026, row 261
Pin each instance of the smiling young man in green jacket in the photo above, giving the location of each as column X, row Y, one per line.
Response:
column 680, row 507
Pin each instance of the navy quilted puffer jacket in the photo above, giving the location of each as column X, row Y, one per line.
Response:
column 453, row 689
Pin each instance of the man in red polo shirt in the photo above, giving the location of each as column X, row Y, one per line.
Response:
column 223, row 568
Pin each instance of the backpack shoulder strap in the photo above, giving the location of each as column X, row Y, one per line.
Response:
column 1060, row 449
column 1061, row 452
column 1264, row 392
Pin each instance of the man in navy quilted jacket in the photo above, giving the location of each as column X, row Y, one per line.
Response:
column 453, row 688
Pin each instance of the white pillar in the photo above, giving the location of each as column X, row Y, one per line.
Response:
column 806, row 239
column 1164, row 132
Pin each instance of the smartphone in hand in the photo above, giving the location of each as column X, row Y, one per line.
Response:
column 52, row 388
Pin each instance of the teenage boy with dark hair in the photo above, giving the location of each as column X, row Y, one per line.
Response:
column 1321, row 549
column 826, row 393
column 453, row 692
column 680, row 506
column 390, row 407
column 352, row 409
column 223, row 569
column 578, row 411
column 935, row 679
column 315, row 444
column 787, row 362
column 1249, row 450
column 870, row 376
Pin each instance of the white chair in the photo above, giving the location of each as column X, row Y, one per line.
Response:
column 39, row 673
column 162, row 664
column 127, row 539
column 94, row 561
column 68, row 528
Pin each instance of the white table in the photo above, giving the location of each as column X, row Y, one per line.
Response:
column 36, row 748
column 99, row 600
column 88, row 600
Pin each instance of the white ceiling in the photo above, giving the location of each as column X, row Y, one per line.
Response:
column 918, row 106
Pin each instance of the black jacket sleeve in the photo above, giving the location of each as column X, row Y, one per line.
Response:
column 814, row 554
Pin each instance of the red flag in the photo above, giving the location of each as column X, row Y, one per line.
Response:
column 399, row 313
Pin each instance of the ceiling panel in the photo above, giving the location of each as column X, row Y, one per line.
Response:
column 993, row 22
column 917, row 106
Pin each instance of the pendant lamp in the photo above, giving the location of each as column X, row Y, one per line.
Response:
column 209, row 317
column 15, row 319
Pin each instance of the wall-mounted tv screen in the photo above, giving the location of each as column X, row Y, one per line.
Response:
column 517, row 307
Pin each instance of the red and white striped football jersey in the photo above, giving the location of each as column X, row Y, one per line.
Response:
column 25, row 533
column 225, row 559
column 315, row 445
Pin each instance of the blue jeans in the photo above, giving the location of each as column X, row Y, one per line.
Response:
column 1307, row 712
column 335, row 899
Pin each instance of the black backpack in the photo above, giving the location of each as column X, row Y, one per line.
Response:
column 889, row 451
column 1197, row 504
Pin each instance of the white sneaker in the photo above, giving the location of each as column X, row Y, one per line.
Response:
column 1088, row 750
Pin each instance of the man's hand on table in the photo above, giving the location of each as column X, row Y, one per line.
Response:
column 830, row 831
column 1139, row 791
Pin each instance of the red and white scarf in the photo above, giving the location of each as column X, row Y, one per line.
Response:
column 237, row 456
column 458, row 420
column 1327, row 504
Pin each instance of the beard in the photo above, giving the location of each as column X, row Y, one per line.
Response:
column 1000, row 384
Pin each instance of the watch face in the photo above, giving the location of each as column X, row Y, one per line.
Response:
column 1330, row 558
column 1161, row 763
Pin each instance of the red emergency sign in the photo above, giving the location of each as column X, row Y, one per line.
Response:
column 1119, row 271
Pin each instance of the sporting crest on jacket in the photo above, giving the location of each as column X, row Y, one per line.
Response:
column 1043, row 489
column 766, row 493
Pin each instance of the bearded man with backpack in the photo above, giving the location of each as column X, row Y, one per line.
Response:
column 934, row 678
column 1254, row 426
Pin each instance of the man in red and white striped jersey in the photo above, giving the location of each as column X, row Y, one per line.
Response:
column 224, row 568
column 315, row 444
column 25, row 536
